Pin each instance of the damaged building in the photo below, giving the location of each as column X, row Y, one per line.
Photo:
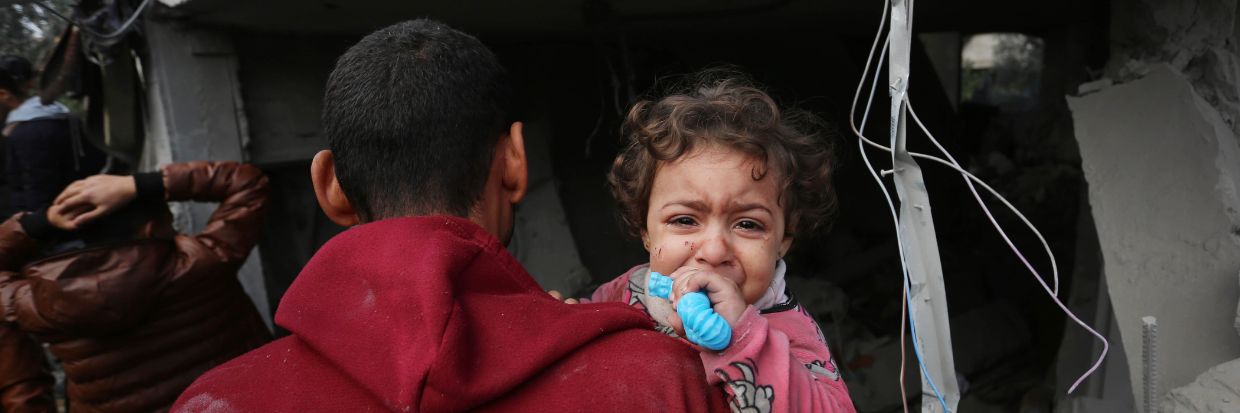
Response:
column 1112, row 124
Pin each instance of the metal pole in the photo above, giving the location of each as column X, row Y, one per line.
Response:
column 928, row 307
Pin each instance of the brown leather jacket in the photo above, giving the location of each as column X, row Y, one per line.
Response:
column 135, row 322
column 25, row 380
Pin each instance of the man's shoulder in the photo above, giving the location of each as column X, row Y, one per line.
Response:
column 630, row 370
column 282, row 376
column 41, row 125
column 645, row 346
column 635, row 356
column 38, row 131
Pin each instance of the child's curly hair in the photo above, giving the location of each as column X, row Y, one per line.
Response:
column 723, row 107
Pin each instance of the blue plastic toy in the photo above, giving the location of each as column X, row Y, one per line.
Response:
column 702, row 324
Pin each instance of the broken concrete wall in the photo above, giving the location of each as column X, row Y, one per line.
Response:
column 195, row 113
column 282, row 80
column 1159, row 161
column 1177, row 62
column 1198, row 38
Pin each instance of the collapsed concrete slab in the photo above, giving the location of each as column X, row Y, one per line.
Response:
column 1161, row 166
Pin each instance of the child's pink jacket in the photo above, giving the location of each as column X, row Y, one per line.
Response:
column 778, row 360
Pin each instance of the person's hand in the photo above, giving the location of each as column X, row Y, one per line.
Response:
column 56, row 217
column 558, row 296
column 725, row 296
column 86, row 200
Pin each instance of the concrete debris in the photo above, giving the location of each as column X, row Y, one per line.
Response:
column 1215, row 391
column 1094, row 86
column 1196, row 38
column 1164, row 217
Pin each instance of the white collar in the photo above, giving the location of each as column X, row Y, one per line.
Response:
column 776, row 294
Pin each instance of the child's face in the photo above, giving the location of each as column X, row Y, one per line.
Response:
column 707, row 211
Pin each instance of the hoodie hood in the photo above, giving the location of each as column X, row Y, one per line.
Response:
column 433, row 314
column 33, row 109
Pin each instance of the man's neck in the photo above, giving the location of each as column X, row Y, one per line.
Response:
column 494, row 228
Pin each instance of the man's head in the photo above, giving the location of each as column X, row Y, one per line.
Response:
column 417, row 116
column 15, row 75
column 139, row 220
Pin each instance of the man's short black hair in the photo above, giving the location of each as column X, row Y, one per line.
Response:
column 412, row 113
column 14, row 72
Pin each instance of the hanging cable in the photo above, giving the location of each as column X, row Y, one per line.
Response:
column 118, row 33
column 1046, row 246
column 894, row 216
column 974, row 179
column 1053, row 294
column 912, row 324
column 970, row 179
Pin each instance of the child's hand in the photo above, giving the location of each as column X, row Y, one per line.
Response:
column 725, row 296
column 558, row 296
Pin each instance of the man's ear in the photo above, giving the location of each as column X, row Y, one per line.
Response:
column 328, row 191
column 516, row 178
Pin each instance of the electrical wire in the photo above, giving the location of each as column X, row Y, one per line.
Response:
column 1053, row 294
column 904, row 308
column 908, row 295
column 903, row 357
column 852, row 116
column 118, row 33
column 970, row 179
column 894, row 216
column 912, row 324
column 865, row 118
column 1046, row 246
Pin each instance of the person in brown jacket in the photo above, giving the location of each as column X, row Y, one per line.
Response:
column 25, row 379
column 137, row 312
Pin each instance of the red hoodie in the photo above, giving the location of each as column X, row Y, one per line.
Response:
column 432, row 314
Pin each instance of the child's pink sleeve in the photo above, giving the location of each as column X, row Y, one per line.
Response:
column 614, row 291
column 778, row 362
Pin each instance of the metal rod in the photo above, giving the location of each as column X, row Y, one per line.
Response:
column 1149, row 358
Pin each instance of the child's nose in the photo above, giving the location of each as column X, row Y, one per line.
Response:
column 715, row 250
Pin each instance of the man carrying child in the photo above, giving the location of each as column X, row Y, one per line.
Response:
column 419, row 307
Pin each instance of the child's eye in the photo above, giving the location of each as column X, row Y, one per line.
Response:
column 749, row 225
column 683, row 221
